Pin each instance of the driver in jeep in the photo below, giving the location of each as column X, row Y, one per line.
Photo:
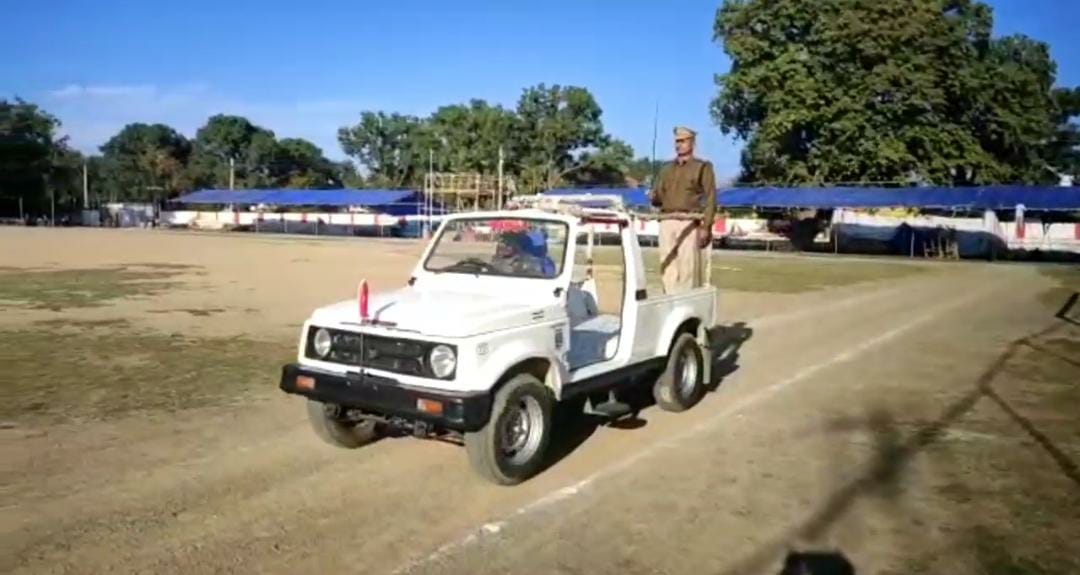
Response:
column 523, row 254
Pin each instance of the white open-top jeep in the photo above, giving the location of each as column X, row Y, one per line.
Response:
column 500, row 321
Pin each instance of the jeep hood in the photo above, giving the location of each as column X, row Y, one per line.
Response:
column 435, row 313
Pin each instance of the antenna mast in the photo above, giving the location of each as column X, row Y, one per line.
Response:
column 656, row 116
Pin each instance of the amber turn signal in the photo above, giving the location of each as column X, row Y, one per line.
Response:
column 429, row 406
column 305, row 382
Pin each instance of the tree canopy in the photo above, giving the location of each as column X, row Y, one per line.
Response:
column 554, row 136
column 37, row 167
column 468, row 136
column 838, row 91
column 390, row 146
column 150, row 162
column 1064, row 153
column 822, row 92
column 259, row 159
column 144, row 161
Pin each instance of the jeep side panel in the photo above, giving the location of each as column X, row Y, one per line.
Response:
column 661, row 316
column 506, row 349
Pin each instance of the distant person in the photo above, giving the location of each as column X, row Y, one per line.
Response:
column 686, row 184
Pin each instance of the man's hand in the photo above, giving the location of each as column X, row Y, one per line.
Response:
column 704, row 237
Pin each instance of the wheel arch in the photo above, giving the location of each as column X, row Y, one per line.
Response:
column 544, row 367
column 538, row 366
column 676, row 326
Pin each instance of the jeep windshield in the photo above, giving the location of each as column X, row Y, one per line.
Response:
column 508, row 247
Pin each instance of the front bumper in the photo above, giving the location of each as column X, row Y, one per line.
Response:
column 387, row 397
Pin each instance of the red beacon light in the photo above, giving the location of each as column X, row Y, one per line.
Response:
column 362, row 299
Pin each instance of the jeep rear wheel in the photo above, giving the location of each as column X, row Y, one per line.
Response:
column 510, row 448
column 683, row 382
column 326, row 420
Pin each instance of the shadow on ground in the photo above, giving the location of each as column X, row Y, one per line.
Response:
column 572, row 427
column 817, row 563
column 893, row 451
column 1069, row 309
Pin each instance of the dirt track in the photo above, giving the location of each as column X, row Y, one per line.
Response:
column 835, row 431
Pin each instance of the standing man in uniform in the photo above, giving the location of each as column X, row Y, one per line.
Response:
column 687, row 184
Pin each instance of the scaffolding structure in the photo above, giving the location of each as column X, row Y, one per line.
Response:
column 463, row 191
column 468, row 191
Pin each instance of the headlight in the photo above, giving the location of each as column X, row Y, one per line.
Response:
column 322, row 342
column 442, row 360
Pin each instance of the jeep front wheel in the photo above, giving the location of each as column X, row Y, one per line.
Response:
column 328, row 424
column 683, row 382
column 510, row 448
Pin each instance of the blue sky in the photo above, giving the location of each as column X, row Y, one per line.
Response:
column 306, row 68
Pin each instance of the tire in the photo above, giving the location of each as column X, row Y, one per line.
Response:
column 324, row 420
column 682, row 384
column 510, row 448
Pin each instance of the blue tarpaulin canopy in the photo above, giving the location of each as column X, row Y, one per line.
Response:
column 288, row 197
column 972, row 198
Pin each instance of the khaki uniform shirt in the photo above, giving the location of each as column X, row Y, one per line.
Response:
column 689, row 186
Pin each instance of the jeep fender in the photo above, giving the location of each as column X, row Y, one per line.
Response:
column 513, row 354
column 671, row 325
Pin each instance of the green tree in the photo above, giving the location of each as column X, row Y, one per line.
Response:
column 300, row 164
column 144, row 162
column 347, row 174
column 392, row 147
column 553, row 137
column 641, row 171
column 608, row 165
column 29, row 152
column 252, row 149
column 1065, row 148
column 555, row 125
column 468, row 137
column 885, row 90
column 65, row 181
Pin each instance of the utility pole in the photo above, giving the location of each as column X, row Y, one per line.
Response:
column 499, row 201
column 652, row 168
column 85, row 188
column 429, row 201
column 232, row 170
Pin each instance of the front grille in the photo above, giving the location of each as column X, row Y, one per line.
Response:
column 404, row 356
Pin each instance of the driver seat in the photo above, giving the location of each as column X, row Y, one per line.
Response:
column 582, row 301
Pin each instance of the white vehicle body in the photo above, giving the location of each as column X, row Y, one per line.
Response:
column 499, row 322
column 499, row 326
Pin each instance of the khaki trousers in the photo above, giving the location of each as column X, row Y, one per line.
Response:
column 683, row 265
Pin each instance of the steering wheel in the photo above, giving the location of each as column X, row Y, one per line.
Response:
column 471, row 262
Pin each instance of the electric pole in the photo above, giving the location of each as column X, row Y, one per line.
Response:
column 655, row 124
column 85, row 188
column 429, row 202
column 499, row 201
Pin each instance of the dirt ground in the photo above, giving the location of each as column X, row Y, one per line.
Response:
column 921, row 422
